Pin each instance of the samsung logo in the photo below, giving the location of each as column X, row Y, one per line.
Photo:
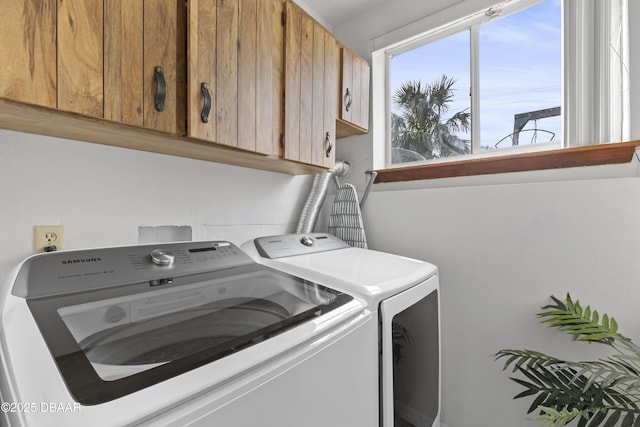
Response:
column 81, row 260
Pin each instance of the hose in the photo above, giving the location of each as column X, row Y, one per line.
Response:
column 315, row 200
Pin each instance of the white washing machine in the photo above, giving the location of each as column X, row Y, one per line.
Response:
column 404, row 295
column 185, row 334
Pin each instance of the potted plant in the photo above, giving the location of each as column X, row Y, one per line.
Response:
column 592, row 393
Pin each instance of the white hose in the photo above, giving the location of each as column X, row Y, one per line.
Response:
column 315, row 200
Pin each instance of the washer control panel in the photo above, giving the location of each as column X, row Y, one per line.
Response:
column 63, row 272
column 297, row 244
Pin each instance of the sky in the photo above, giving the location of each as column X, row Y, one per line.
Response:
column 520, row 71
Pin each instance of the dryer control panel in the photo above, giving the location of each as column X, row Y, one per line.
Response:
column 297, row 244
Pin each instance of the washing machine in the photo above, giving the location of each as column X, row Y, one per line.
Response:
column 403, row 294
column 180, row 334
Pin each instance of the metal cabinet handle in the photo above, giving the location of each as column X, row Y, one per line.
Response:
column 206, row 107
column 329, row 144
column 347, row 100
column 161, row 92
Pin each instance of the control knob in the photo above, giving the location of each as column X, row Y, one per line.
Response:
column 162, row 257
column 307, row 241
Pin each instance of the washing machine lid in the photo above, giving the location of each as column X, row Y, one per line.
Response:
column 110, row 341
column 373, row 274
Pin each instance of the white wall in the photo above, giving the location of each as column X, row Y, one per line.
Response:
column 503, row 245
column 103, row 194
column 502, row 250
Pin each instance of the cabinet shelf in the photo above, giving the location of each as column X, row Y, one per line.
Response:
column 43, row 121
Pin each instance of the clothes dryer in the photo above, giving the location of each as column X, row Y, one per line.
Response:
column 403, row 294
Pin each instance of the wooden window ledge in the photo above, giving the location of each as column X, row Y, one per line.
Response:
column 590, row 155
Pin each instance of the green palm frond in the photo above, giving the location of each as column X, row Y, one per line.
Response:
column 554, row 418
column 603, row 392
column 525, row 358
column 609, row 372
column 584, row 324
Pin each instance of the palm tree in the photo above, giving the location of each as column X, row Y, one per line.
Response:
column 421, row 125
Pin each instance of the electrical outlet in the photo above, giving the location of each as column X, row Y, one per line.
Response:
column 46, row 236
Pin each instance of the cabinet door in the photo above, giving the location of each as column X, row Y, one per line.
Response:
column 28, row 51
column 141, row 58
column 354, row 95
column 162, row 33
column 80, row 56
column 360, row 115
column 123, row 60
column 310, row 90
column 235, row 71
column 331, row 82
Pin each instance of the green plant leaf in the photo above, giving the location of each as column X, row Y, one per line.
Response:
column 528, row 358
column 628, row 420
column 613, row 419
column 603, row 392
column 597, row 418
column 539, row 400
column 557, row 418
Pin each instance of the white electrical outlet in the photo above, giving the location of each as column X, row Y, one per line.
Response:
column 47, row 236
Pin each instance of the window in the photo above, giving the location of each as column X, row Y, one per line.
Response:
column 494, row 84
column 503, row 80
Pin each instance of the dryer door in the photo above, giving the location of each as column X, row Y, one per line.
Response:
column 410, row 364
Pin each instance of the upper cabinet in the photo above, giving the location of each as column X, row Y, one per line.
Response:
column 28, row 51
column 354, row 94
column 235, row 69
column 110, row 59
column 311, row 104
column 143, row 61
column 261, row 76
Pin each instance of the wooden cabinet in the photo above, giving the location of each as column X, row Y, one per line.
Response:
column 143, row 58
column 235, row 69
column 311, row 105
column 28, row 51
column 96, row 58
column 258, row 75
column 354, row 94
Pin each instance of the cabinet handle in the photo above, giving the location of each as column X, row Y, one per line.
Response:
column 206, row 106
column 329, row 144
column 347, row 100
column 161, row 92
